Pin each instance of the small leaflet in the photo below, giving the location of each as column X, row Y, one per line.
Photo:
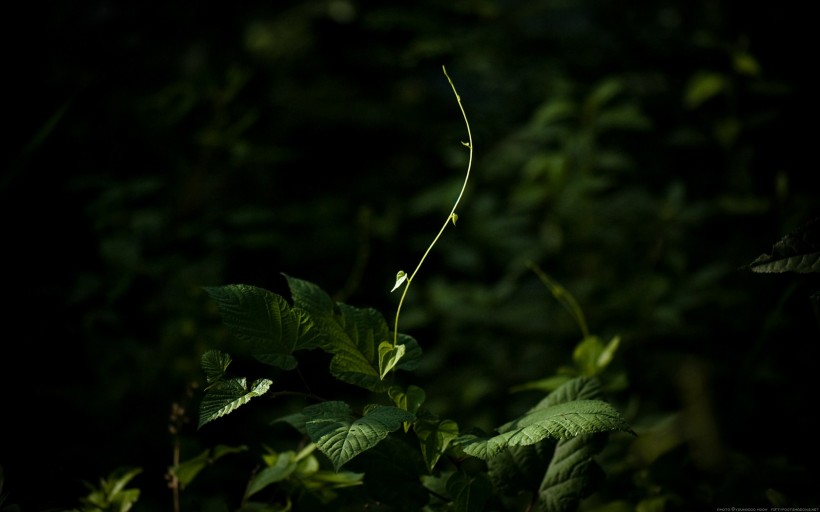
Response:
column 401, row 277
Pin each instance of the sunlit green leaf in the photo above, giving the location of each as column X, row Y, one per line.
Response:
column 560, row 421
column 227, row 395
column 401, row 277
column 389, row 357
column 341, row 437
column 353, row 336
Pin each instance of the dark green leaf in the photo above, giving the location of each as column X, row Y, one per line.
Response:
column 412, row 353
column 266, row 321
column 391, row 474
column 572, row 474
column 409, row 400
column 798, row 251
column 435, row 436
column 469, row 492
column 215, row 363
column 520, row 468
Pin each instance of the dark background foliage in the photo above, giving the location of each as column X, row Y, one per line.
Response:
column 640, row 154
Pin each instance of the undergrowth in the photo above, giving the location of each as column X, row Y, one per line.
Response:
column 376, row 444
column 384, row 449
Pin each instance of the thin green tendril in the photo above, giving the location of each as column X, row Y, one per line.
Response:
column 450, row 218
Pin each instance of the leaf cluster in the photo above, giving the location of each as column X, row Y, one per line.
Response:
column 557, row 437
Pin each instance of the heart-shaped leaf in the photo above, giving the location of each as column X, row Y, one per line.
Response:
column 389, row 357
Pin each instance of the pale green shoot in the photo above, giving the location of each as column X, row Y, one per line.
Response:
column 401, row 277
